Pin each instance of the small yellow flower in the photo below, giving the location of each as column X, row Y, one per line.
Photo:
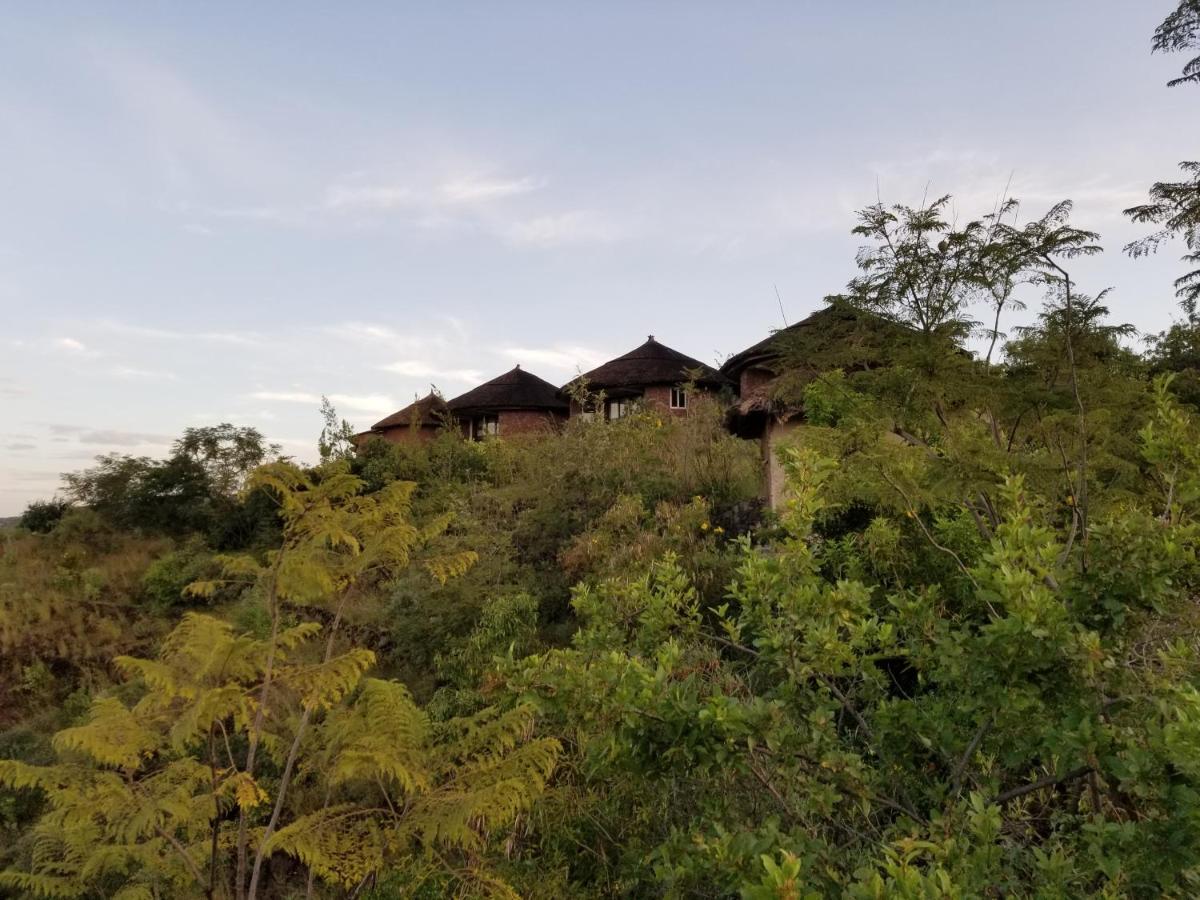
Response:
column 718, row 530
column 704, row 526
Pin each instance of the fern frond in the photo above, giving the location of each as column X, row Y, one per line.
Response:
column 443, row 568
column 486, row 734
column 436, row 526
column 240, row 566
column 291, row 638
column 304, row 580
column 244, row 790
column 42, row 885
column 323, row 684
column 484, row 796
column 112, row 736
column 384, row 739
column 210, row 707
column 341, row 844
column 19, row 775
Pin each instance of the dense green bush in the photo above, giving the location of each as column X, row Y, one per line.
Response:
column 41, row 516
column 165, row 579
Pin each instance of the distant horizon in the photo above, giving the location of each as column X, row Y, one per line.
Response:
column 221, row 213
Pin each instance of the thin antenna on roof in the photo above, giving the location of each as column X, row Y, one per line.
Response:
column 782, row 314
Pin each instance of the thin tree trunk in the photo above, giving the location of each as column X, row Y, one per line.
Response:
column 216, row 822
column 290, row 765
column 243, row 839
column 1081, row 496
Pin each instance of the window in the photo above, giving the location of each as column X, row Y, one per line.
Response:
column 485, row 426
column 616, row 409
column 678, row 398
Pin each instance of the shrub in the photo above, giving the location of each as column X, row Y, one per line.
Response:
column 167, row 576
column 41, row 516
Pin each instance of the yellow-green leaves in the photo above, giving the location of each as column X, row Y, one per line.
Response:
column 113, row 736
column 342, row 844
column 321, row 685
column 383, row 737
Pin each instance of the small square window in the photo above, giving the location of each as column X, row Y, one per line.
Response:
column 616, row 409
column 678, row 398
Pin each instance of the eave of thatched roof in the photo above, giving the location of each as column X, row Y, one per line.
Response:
column 837, row 336
column 430, row 411
column 515, row 389
column 651, row 364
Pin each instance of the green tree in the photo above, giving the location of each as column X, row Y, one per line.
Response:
column 1180, row 31
column 227, row 453
column 337, row 436
column 227, row 724
column 41, row 516
column 1175, row 205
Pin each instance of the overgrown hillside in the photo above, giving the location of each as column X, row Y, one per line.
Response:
column 962, row 659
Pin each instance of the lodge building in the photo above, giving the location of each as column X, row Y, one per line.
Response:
column 517, row 402
column 651, row 375
column 656, row 376
column 419, row 422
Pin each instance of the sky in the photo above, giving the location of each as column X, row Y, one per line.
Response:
column 219, row 212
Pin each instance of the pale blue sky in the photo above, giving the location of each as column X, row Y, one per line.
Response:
column 221, row 211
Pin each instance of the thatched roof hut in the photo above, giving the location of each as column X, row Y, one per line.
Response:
column 419, row 421
column 650, row 365
column 430, row 411
column 514, row 390
column 771, row 374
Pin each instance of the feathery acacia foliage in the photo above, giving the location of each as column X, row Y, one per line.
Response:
column 1175, row 205
column 1181, row 31
column 141, row 792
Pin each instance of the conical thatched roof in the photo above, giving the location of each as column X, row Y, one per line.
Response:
column 516, row 389
column 431, row 410
column 837, row 336
column 651, row 363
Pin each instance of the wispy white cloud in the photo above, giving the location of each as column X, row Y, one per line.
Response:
column 374, row 334
column 86, row 434
column 380, row 197
column 368, row 403
column 186, row 135
column 567, row 358
column 474, row 190
column 70, row 344
column 418, row 369
column 979, row 179
column 248, row 339
column 287, row 397
column 578, row 226
column 365, row 332
column 132, row 372
column 273, row 215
